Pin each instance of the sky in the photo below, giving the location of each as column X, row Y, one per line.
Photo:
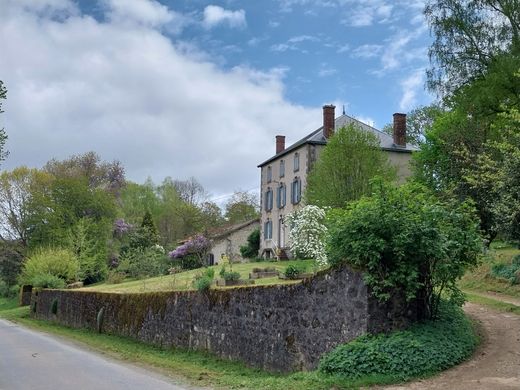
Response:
column 186, row 88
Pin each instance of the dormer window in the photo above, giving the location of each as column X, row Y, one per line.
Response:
column 296, row 162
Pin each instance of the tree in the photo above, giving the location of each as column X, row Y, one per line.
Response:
column 468, row 36
column 190, row 191
column 211, row 215
column 350, row 160
column 109, row 176
column 22, row 192
column 418, row 121
column 11, row 257
column 307, row 233
column 3, row 135
column 408, row 242
column 241, row 207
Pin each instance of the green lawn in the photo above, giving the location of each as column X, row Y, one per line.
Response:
column 183, row 281
column 480, row 278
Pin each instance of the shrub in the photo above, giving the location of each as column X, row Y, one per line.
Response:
column 138, row 263
column 48, row 281
column 8, row 291
column 193, row 253
column 45, row 266
column 231, row 276
column 294, row 271
column 307, row 233
column 425, row 348
column 250, row 250
column 203, row 280
column 405, row 239
column 115, row 277
column 510, row 272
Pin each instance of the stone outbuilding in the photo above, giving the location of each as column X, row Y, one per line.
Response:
column 226, row 241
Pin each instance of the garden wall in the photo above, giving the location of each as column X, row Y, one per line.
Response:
column 278, row 328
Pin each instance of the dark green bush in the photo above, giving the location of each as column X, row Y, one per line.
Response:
column 294, row 271
column 510, row 272
column 423, row 349
column 406, row 239
column 203, row 280
column 250, row 250
column 231, row 276
column 203, row 283
column 115, row 277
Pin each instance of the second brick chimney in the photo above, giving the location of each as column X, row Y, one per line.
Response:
column 328, row 120
column 400, row 129
column 280, row 143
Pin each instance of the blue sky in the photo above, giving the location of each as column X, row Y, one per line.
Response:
column 188, row 88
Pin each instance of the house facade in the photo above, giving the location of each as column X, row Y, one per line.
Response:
column 283, row 177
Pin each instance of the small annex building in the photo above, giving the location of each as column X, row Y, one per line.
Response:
column 226, row 241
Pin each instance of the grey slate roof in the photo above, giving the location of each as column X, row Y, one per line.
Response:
column 386, row 141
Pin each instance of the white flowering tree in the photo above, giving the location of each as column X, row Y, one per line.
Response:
column 307, row 233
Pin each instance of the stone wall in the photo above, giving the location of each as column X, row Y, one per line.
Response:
column 278, row 328
column 230, row 244
column 25, row 295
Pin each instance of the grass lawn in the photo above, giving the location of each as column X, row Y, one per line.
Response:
column 480, row 278
column 493, row 303
column 183, row 281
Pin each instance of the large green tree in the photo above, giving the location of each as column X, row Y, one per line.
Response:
column 241, row 207
column 468, row 36
column 345, row 167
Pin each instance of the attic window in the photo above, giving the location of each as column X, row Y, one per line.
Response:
column 269, row 174
column 282, row 168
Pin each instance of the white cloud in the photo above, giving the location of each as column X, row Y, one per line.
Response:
column 215, row 15
column 367, row 51
column 147, row 12
column 410, row 87
column 132, row 95
column 294, row 43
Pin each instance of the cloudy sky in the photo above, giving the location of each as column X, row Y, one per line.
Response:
column 198, row 88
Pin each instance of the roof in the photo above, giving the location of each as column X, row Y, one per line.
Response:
column 227, row 230
column 386, row 141
column 222, row 231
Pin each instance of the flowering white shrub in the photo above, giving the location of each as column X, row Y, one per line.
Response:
column 307, row 233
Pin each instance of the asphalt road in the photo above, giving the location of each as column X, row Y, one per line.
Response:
column 31, row 360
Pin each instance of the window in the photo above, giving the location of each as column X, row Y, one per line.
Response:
column 296, row 191
column 269, row 174
column 268, row 230
column 280, row 199
column 296, row 162
column 269, row 199
column 282, row 168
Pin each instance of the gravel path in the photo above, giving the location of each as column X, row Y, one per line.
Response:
column 495, row 365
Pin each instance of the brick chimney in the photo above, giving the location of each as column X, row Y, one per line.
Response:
column 328, row 120
column 280, row 143
column 400, row 130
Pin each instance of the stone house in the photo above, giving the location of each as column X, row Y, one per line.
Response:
column 228, row 240
column 283, row 177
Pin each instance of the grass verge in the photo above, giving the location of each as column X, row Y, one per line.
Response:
column 493, row 303
column 196, row 368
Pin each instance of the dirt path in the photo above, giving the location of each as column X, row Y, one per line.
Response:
column 495, row 365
